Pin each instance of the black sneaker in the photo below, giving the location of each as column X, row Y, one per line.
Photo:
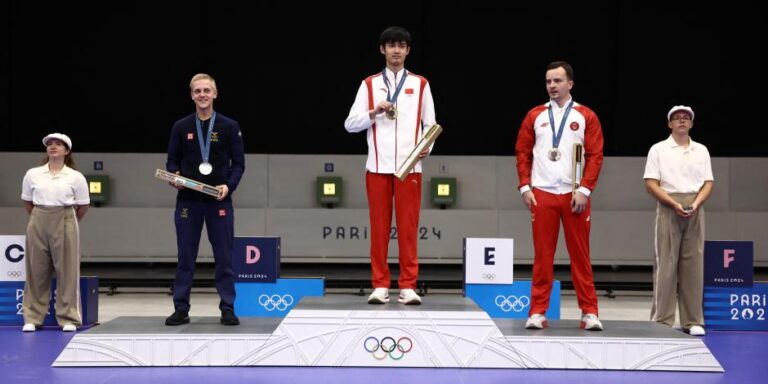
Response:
column 178, row 318
column 228, row 317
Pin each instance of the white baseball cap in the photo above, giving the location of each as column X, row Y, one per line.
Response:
column 59, row 136
column 680, row 108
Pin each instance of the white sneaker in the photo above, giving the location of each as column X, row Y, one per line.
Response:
column 69, row 328
column 696, row 330
column 379, row 296
column 409, row 297
column 590, row 322
column 536, row 321
column 29, row 327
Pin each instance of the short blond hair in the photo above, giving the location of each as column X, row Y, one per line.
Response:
column 202, row 76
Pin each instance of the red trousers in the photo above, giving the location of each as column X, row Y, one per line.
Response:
column 382, row 188
column 546, row 217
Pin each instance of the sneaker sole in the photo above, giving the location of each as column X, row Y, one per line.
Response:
column 534, row 326
column 583, row 326
column 378, row 301
column 412, row 302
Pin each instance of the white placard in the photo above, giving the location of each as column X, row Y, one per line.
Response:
column 488, row 261
column 12, row 258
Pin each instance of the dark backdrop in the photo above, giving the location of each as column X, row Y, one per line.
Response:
column 115, row 75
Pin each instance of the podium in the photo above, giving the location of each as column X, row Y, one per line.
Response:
column 447, row 331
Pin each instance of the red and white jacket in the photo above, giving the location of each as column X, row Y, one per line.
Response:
column 534, row 141
column 391, row 141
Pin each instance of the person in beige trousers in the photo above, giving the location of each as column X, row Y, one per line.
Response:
column 678, row 173
column 56, row 198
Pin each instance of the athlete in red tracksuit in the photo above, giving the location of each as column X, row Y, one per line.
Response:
column 394, row 106
column 544, row 149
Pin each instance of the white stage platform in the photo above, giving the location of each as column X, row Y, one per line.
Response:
column 447, row 331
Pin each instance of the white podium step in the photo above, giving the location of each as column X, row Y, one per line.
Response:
column 623, row 345
column 446, row 331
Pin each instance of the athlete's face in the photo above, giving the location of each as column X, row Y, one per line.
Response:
column 395, row 53
column 558, row 85
column 203, row 93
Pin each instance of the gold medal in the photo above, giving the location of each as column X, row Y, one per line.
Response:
column 391, row 113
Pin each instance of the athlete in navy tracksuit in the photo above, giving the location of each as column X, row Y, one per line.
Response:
column 227, row 160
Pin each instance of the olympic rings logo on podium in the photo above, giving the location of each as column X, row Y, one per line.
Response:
column 489, row 276
column 512, row 303
column 275, row 302
column 388, row 346
column 14, row 273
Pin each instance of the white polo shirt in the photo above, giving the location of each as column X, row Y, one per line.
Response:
column 66, row 188
column 679, row 169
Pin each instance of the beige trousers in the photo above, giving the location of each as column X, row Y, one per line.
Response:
column 678, row 265
column 52, row 247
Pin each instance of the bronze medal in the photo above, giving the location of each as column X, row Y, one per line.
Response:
column 554, row 154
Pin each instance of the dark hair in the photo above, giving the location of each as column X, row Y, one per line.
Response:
column 395, row 35
column 564, row 65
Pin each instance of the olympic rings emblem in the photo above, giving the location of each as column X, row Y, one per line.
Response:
column 489, row 276
column 388, row 346
column 512, row 303
column 14, row 273
column 275, row 302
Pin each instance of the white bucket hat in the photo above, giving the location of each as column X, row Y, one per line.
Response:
column 677, row 108
column 60, row 136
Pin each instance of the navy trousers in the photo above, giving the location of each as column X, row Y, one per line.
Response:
column 219, row 220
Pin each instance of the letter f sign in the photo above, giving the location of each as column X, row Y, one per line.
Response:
column 727, row 258
column 252, row 254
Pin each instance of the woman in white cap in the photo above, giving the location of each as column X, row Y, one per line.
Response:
column 56, row 198
column 678, row 173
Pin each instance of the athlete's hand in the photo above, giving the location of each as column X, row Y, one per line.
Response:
column 223, row 191
column 173, row 184
column 578, row 202
column 529, row 200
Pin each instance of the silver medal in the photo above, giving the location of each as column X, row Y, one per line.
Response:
column 205, row 168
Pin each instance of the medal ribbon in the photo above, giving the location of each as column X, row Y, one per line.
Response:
column 557, row 136
column 205, row 146
column 393, row 98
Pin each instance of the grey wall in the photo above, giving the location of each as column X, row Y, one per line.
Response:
column 277, row 198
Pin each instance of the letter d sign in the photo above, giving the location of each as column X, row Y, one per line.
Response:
column 252, row 254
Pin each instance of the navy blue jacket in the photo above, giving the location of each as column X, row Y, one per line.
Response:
column 226, row 155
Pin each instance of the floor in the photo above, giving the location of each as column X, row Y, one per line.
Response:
column 26, row 358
